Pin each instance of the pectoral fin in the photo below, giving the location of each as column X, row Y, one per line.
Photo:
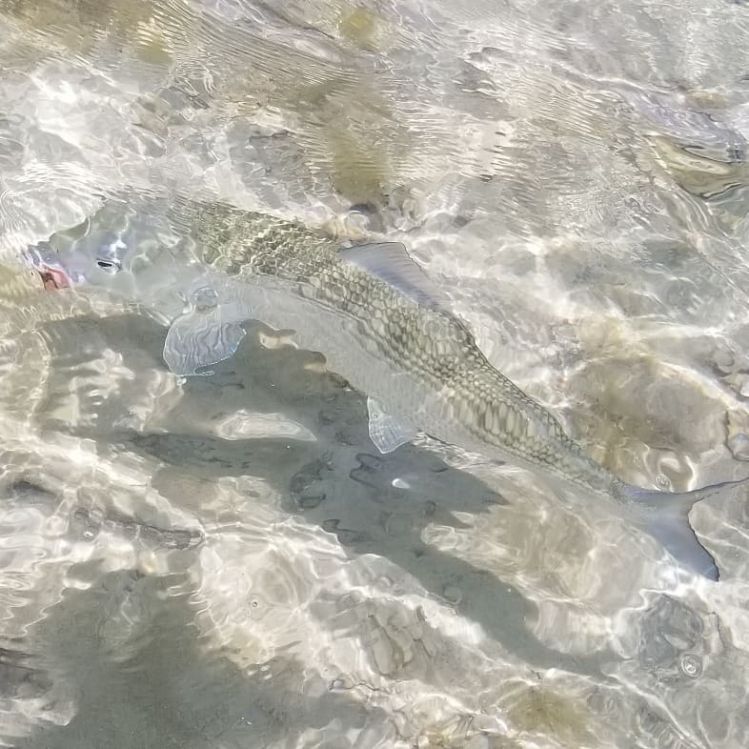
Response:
column 386, row 433
column 198, row 339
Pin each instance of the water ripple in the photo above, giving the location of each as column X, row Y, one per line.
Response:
column 223, row 560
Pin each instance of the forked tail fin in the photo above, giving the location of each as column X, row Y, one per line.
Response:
column 665, row 516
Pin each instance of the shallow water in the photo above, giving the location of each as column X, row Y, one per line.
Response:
column 227, row 561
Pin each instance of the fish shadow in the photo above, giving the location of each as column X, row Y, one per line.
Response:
column 336, row 482
column 154, row 680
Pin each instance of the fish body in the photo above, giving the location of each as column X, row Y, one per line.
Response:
column 380, row 323
column 394, row 339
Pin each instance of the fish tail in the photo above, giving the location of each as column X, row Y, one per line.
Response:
column 665, row 517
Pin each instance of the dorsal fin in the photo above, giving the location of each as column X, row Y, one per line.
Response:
column 391, row 263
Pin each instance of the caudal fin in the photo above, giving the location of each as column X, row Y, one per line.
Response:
column 665, row 516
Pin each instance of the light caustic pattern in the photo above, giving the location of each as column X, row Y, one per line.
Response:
column 226, row 561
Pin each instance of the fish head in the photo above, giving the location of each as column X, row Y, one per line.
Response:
column 136, row 255
column 77, row 266
column 129, row 253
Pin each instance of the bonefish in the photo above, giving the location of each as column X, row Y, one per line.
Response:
column 374, row 314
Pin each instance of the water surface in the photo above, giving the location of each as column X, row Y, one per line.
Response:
column 226, row 561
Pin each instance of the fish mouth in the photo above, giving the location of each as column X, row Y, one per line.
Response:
column 52, row 275
column 54, row 278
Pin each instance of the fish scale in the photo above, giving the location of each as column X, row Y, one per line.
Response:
column 245, row 244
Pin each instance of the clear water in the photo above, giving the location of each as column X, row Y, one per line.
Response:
column 226, row 561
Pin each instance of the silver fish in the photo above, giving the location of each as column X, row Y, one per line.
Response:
column 379, row 321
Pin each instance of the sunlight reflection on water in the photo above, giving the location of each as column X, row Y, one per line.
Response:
column 225, row 560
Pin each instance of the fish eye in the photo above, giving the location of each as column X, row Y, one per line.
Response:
column 110, row 266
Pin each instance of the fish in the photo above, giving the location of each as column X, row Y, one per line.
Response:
column 378, row 319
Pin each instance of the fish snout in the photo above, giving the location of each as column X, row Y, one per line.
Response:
column 53, row 275
column 54, row 278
